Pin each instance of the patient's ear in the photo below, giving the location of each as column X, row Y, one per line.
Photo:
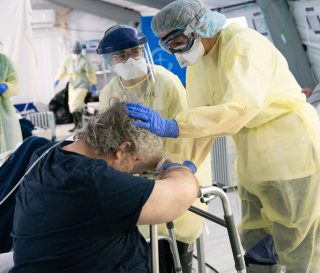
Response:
column 125, row 145
column 122, row 148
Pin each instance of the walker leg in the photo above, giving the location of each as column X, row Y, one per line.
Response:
column 200, row 254
column 174, row 248
column 206, row 195
column 232, row 232
column 154, row 249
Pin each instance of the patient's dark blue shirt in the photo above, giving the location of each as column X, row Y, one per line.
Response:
column 76, row 214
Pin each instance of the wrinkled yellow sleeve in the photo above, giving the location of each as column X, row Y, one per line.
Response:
column 174, row 102
column 11, row 78
column 245, row 79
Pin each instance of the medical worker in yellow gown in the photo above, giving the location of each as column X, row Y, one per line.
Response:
column 241, row 86
column 82, row 76
column 10, row 131
column 125, row 51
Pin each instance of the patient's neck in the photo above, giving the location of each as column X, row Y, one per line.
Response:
column 81, row 147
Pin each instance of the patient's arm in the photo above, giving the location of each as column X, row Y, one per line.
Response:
column 171, row 196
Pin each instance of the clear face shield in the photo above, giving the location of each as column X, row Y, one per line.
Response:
column 133, row 64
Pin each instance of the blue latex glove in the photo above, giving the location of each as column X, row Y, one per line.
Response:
column 186, row 163
column 56, row 83
column 152, row 120
column 93, row 88
column 3, row 88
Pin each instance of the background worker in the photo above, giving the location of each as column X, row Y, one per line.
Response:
column 82, row 75
column 125, row 51
column 241, row 86
column 78, row 208
column 10, row 131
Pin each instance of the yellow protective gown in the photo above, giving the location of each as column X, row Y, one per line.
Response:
column 10, row 131
column 82, row 74
column 243, row 88
column 167, row 95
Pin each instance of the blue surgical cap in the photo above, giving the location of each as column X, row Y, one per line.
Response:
column 178, row 14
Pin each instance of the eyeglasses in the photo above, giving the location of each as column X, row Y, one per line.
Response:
column 123, row 55
column 181, row 40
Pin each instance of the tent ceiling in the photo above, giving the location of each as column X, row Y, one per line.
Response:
column 108, row 10
column 149, row 7
column 130, row 10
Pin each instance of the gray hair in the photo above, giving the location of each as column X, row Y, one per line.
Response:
column 106, row 131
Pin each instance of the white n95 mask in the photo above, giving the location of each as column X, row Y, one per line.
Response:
column 192, row 55
column 131, row 69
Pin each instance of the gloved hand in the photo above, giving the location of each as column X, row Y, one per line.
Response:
column 3, row 88
column 56, row 83
column 152, row 120
column 93, row 88
column 186, row 163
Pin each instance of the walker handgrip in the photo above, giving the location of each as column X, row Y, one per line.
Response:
column 207, row 199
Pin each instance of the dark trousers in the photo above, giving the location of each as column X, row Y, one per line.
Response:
column 166, row 260
column 77, row 119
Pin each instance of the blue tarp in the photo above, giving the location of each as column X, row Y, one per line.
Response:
column 160, row 56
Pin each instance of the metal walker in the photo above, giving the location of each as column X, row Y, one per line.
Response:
column 206, row 194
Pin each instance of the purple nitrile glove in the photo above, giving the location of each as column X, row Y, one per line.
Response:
column 152, row 120
column 56, row 83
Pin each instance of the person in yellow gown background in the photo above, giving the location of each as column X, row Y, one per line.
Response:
column 82, row 76
column 10, row 131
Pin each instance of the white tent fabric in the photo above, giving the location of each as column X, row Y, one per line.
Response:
column 52, row 46
column 16, row 36
column 307, row 16
column 50, row 49
column 253, row 15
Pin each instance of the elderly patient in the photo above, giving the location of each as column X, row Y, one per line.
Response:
column 78, row 209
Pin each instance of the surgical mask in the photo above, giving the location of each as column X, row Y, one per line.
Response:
column 75, row 56
column 191, row 56
column 131, row 69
